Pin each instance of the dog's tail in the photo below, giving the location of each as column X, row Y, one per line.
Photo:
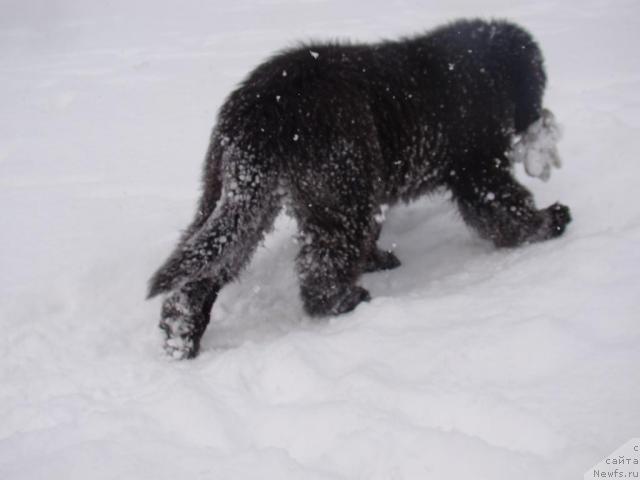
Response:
column 239, row 204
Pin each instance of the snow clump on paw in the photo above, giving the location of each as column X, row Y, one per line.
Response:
column 536, row 148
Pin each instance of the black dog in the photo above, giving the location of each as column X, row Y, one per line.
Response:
column 335, row 131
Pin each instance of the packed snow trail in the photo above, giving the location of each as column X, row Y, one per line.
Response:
column 470, row 362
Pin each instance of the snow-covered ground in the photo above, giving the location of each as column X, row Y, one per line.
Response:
column 469, row 363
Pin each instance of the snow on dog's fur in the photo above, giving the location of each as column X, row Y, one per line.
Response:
column 336, row 131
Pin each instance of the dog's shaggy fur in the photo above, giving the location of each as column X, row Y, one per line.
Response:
column 335, row 131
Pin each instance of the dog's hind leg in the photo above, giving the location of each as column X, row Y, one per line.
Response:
column 500, row 209
column 217, row 251
column 186, row 310
column 337, row 228
column 330, row 261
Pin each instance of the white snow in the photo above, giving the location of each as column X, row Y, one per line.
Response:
column 469, row 363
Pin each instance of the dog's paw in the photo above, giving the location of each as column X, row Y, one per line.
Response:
column 182, row 327
column 381, row 260
column 350, row 300
column 558, row 216
column 180, row 348
column 180, row 342
column 328, row 300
